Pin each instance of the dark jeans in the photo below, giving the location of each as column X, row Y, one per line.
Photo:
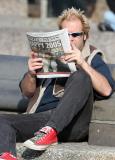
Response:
column 70, row 118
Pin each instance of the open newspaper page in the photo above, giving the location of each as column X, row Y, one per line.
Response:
column 50, row 46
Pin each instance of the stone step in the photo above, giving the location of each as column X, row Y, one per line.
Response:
column 26, row 22
column 69, row 151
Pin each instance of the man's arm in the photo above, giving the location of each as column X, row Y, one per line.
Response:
column 99, row 81
column 28, row 83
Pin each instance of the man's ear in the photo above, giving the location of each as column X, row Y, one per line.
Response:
column 84, row 37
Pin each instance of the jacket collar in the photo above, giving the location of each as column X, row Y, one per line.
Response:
column 86, row 50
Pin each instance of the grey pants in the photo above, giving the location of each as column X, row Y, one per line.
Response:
column 70, row 118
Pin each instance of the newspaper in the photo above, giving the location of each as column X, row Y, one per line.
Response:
column 50, row 46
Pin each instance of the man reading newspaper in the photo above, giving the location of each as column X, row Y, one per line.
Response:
column 60, row 108
column 50, row 46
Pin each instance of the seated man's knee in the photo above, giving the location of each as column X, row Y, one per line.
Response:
column 81, row 76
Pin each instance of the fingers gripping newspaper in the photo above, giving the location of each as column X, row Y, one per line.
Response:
column 50, row 46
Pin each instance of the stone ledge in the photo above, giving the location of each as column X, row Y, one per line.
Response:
column 69, row 151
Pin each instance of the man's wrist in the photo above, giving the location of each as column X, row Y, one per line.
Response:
column 31, row 74
column 81, row 62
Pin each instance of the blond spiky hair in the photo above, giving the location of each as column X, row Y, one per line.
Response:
column 71, row 14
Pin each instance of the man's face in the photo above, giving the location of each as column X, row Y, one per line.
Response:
column 75, row 26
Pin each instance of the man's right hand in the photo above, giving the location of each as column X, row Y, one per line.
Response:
column 34, row 63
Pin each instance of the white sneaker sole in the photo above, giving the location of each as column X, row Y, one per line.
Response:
column 29, row 144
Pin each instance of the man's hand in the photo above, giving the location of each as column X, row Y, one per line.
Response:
column 74, row 55
column 34, row 63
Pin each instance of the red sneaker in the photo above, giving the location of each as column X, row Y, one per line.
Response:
column 44, row 138
column 7, row 156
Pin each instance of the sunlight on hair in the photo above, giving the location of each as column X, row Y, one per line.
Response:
column 71, row 14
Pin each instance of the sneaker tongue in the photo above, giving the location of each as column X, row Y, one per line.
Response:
column 45, row 129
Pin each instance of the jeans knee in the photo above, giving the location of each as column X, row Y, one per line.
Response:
column 82, row 77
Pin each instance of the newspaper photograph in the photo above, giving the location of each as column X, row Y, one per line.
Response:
column 50, row 46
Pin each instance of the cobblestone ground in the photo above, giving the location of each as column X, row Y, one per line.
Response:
column 69, row 151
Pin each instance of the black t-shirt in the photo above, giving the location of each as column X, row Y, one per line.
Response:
column 48, row 101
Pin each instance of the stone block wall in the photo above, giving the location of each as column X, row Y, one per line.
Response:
column 16, row 7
